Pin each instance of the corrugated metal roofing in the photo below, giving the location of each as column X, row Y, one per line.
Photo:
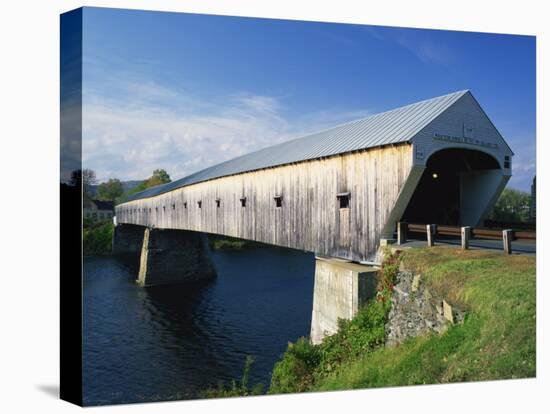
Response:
column 390, row 127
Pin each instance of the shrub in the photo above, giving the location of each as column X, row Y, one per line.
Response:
column 98, row 238
column 237, row 389
column 294, row 372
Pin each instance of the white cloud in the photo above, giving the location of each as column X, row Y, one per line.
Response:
column 425, row 49
column 523, row 163
column 156, row 127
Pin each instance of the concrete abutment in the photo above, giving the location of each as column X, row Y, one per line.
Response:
column 341, row 288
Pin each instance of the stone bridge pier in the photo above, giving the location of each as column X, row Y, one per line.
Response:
column 165, row 256
column 128, row 239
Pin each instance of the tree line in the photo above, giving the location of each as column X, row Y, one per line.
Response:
column 512, row 207
column 113, row 189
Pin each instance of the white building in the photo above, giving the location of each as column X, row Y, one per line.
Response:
column 98, row 210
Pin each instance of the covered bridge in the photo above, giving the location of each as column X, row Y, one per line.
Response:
column 339, row 192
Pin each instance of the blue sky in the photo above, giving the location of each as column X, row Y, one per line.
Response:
column 182, row 91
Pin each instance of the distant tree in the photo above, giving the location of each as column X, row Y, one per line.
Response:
column 86, row 177
column 110, row 190
column 159, row 176
column 512, row 206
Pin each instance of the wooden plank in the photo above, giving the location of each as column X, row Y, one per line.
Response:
column 525, row 235
column 417, row 228
column 486, row 234
column 448, row 230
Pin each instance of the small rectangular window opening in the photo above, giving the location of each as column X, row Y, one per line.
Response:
column 343, row 199
column 506, row 161
column 243, row 201
column 218, row 202
column 199, row 203
column 278, row 200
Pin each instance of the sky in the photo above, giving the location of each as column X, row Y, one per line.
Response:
column 185, row 91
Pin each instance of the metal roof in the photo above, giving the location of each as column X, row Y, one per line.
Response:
column 390, row 127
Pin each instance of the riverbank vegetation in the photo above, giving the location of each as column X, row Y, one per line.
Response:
column 495, row 341
column 97, row 238
column 237, row 389
column 305, row 365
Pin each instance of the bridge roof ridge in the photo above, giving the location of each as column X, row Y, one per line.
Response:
column 388, row 127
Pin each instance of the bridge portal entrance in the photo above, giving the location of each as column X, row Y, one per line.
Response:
column 454, row 188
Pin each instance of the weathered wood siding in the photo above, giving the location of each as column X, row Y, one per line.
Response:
column 309, row 219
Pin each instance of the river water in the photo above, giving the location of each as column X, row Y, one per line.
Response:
column 173, row 342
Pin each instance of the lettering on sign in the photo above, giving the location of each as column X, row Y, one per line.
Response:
column 464, row 140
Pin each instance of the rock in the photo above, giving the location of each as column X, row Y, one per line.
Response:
column 448, row 312
column 439, row 309
column 427, row 295
column 415, row 311
column 415, row 283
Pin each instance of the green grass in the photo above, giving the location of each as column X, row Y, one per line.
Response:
column 496, row 340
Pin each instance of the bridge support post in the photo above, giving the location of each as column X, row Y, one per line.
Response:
column 174, row 256
column 430, row 234
column 465, row 237
column 402, row 228
column 507, row 241
column 341, row 288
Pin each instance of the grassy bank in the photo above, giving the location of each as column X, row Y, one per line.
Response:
column 97, row 238
column 496, row 340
